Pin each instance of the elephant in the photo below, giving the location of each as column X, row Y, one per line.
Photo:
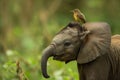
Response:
column 95, row 50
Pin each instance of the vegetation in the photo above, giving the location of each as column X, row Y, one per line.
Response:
column 28, row 26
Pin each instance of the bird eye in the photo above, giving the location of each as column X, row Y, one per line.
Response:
column 67, row 43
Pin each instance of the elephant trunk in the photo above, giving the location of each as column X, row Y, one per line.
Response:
column 48, row 52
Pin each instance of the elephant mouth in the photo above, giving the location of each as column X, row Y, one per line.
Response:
column 58, row 57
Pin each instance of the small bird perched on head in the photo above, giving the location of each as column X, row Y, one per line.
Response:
column 79, row 16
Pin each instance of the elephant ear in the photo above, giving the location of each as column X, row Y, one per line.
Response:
column 97, row 42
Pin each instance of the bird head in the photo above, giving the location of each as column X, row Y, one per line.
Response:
column 76, row 11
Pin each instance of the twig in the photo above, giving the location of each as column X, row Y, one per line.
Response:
column 20, row 73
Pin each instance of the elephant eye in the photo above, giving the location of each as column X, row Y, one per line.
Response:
column 67, row 43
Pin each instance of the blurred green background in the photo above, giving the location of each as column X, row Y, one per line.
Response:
column 28, row 26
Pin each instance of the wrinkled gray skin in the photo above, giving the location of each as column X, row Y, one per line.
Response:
column 97, row 53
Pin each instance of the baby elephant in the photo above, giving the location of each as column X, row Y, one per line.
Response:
column 97, row 53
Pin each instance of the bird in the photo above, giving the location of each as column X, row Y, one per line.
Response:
column 79, row 16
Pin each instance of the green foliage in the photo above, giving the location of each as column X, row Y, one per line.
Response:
column 31, row 67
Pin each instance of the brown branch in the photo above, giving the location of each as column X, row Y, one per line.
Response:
column 20, row 72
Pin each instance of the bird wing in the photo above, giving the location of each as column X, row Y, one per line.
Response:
column 82, row 18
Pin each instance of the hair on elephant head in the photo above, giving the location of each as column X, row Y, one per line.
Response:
column 81, row 43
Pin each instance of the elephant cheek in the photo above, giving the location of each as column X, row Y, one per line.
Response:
column 69, row 56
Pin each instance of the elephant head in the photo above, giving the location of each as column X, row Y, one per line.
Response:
column 81, row 43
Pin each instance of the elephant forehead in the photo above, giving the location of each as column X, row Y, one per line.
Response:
column 61, row 37
column 70, row 32
column 66, row 34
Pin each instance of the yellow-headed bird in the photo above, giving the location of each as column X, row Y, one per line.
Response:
column 79, row 16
